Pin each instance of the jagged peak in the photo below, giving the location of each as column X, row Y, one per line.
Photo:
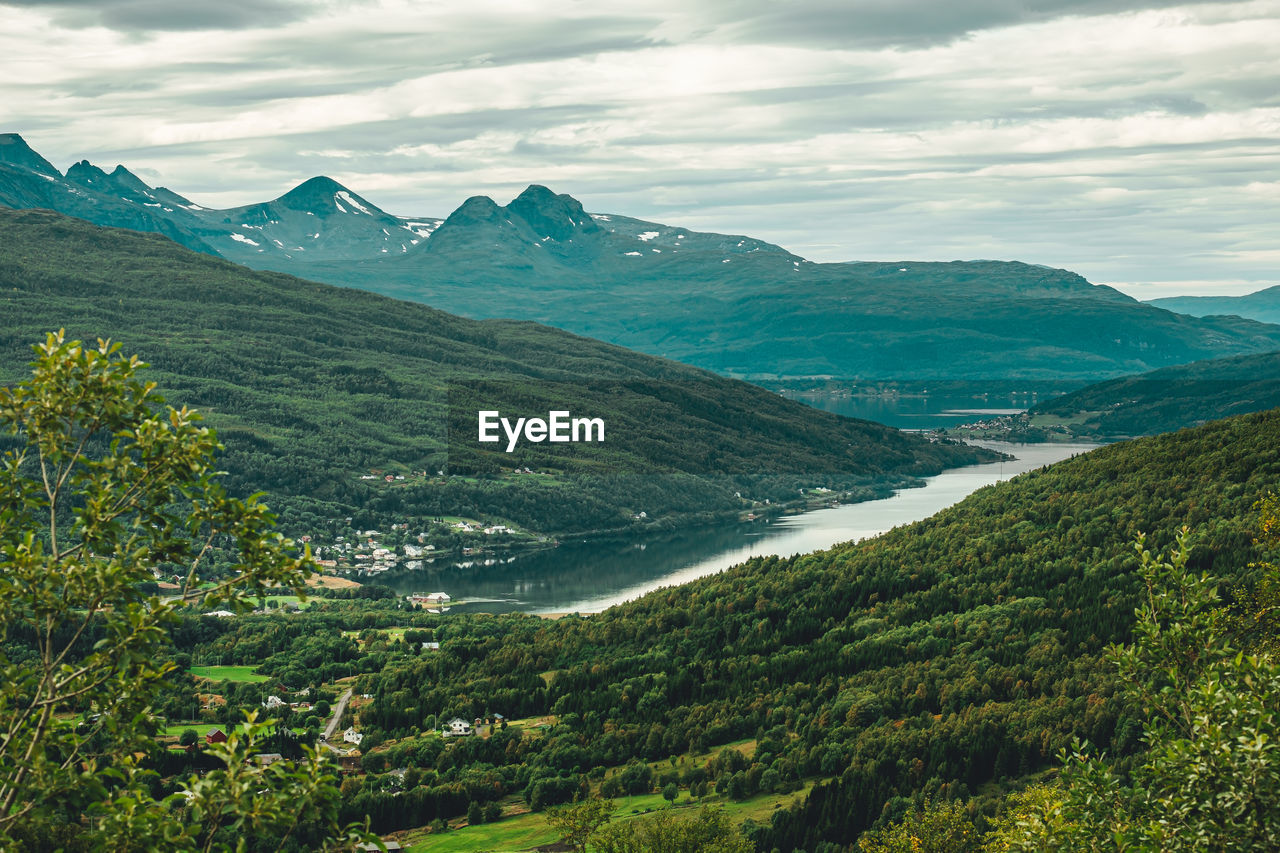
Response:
column 319, row 189
column 478, row 208
column 15, row 150
column 555, row 216
column 85, row 172
column 124, row 178
column 538, row 194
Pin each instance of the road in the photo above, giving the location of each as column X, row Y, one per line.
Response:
column 337, row 715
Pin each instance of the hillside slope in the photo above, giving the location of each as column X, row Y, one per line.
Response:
column 1169, row 399
column 947, row 658
column 317, row 389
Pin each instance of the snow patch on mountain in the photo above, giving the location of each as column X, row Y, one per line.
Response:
column 346, row 196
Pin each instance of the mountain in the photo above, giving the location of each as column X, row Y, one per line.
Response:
column 117, row 199
column 739, row 306
column 325, row 395
column 1168, row 399
column 1261, row 305
column 319, row 218
column 747, row 308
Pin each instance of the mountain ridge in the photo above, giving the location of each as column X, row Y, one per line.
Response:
column 1261, row 305
column 733, row 304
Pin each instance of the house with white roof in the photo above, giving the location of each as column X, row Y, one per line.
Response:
column 457, row 727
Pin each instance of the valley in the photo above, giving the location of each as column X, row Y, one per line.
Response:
column 529, row 528
column 353, row 411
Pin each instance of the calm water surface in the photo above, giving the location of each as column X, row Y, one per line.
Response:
column 588, row 577
column 922, row 412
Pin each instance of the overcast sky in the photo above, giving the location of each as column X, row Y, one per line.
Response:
column 1134, row 141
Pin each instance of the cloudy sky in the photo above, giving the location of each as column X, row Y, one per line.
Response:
column 1134, row 141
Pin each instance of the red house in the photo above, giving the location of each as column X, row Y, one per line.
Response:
column 215, row 736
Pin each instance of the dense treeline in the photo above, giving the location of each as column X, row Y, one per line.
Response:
column 313, row 387
column 949, row 659
column 1170, row 398
column 936, row 659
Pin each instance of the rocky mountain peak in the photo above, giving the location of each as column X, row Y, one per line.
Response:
column 14, row 150
column 556, row 216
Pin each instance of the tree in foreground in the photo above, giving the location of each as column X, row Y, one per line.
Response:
column 101, row 489
column 935, row 828
column 1210, row 779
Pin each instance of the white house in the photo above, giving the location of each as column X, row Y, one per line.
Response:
column 439, row 598
column 273, row 702
column 457, row 727
column 352, row 736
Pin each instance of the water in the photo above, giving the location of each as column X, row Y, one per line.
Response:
column 588, row 577
column 922, row 412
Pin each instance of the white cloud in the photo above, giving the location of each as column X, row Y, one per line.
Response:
column 1131, row 146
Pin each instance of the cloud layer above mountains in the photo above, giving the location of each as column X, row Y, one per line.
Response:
column 1134, row 142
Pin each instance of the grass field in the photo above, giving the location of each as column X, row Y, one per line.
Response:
column 227, row 673
column 528, row 830
column 176, row 729
column 389, row 633
column 282, row 600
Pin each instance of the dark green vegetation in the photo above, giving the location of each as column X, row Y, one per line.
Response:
column 312, row 387
column 938, row 658
column 1262, row 305
column 732, row 304
column 102, row 489
column 952, row 658
column 1168, row 399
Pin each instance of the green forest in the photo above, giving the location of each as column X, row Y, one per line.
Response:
column 1168, row 399
column 949, row 661
column 956, row 678
column 319, row 393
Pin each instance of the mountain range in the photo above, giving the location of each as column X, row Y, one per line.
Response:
column 729, row 303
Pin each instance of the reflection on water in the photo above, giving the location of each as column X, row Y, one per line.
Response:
column 588, row 577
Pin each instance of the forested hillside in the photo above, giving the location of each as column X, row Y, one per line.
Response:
column 1170, row 398
column 313, row 388
column 951, row 658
